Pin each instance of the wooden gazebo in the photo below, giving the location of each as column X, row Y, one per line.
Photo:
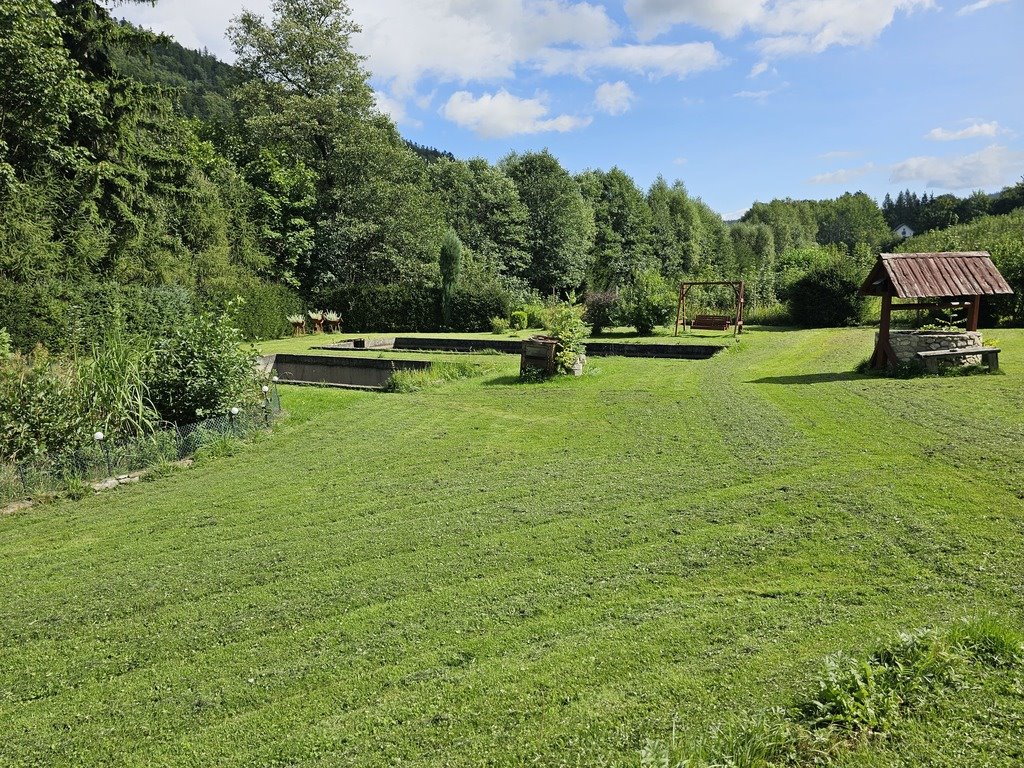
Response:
column 951, row 279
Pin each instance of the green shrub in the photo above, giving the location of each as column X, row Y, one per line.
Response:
column 601, row 308
column 646, row 303
column 33, row 314
column 392, row 307
column 40, row 407
column 568, row 327
column 5, row 345
column 519, row 321
column 536, row 315
column 1003, row 237
column 826, row 297
column 260, row 309
column 768, row 314
column 499, row 325
column 202, row 369
column 474, row 305
column 64, row 315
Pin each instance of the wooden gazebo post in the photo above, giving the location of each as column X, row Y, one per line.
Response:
column 883, row 356
column 975, row 314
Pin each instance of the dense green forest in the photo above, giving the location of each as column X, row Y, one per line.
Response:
column 141, row 181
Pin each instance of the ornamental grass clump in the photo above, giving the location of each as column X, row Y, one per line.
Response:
column 115, row 385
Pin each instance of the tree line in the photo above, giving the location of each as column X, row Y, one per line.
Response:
column 927, row 212
column 143, row 181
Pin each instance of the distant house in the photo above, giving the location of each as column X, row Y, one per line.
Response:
column 903, row 231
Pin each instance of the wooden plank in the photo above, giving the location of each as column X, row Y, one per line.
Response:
column 962, row 352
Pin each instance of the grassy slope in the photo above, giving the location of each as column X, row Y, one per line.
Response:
column 495, row 573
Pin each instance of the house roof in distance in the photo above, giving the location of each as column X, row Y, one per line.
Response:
column 933, row 275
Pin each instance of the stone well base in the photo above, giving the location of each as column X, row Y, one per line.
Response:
column 906, row 344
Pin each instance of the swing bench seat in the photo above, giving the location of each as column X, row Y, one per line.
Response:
column 711, row 323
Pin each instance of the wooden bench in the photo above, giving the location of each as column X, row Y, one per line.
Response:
column 989, row 356
column 711, row 322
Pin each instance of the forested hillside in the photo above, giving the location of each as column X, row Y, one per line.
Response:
column 141, row 181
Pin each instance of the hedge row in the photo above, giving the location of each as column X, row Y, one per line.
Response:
column 403, row 308
column 64, row 315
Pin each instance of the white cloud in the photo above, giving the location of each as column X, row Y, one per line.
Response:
column 651, row 60
column 993, row 166
column 405, row 40
column 761, row 97
column 974, row 130
column 735, row 215
column 614, row 98
column 838, row 154
column 979, row 6
column 841, row 176
column 758, row 69
column 787, row 27
column 394, row 109
column 727, row 17
column 501, row 114
column 753, row 95
column 464, row 40
column 679, row 161
column 193, row 23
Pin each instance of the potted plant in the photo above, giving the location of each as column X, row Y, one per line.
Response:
column 332, row 322
column 298, row 324
column 317, row 316
column 562, row 350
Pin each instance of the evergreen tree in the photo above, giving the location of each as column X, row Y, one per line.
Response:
column 450, row 261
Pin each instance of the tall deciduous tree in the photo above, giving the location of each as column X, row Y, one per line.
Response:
column 43, row 90
column 482, row 204
column 306, row 98
column 560, row 228
column 622, row 240
column 851, row 219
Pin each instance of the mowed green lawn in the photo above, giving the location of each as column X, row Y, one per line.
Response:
column 495, row 573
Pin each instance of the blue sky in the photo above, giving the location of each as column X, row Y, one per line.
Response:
column 743, row 100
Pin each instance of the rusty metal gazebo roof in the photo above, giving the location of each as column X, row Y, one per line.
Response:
column 932, row 275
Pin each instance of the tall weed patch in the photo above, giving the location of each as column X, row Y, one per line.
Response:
column 853, row 701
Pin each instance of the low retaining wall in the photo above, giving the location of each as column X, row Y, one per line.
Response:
column 352, row 372
column 906, row 344
column 594, row 348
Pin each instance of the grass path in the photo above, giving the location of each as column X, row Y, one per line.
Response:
column 489, row 573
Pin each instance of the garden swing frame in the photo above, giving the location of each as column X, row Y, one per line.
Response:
column 739, row 303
